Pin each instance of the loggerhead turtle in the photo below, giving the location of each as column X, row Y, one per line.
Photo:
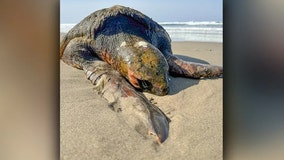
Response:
column 124, row 52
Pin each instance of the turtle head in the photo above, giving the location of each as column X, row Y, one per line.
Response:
column 147, row 68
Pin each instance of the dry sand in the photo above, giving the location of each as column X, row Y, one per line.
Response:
column 89, row 129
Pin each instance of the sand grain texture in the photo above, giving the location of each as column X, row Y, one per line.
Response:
column 89, row 129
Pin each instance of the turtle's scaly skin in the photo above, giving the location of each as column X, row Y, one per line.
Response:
column 132, row 46
column 122, row 96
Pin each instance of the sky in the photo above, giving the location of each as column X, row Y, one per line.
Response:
column 73, row 11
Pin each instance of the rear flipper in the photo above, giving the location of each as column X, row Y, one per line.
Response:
column 178, row 67
column 136, row 109
column 78, row 52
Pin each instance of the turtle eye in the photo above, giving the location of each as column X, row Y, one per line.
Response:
column 144, row 84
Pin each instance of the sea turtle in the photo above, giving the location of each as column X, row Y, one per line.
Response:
column 124, row 52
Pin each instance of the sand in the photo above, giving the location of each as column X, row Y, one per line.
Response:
column 89, row 129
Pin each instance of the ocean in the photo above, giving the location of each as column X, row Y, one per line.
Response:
column 185, row 31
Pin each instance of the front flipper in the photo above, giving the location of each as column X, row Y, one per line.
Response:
column 160, row 123
column 134, row 107
column 178, row 67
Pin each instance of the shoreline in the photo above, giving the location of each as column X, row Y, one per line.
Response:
column 62, row 33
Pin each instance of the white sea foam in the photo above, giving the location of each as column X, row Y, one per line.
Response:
column 194, row 31
column 210, row 31
column 66, row 27
column 193, row 23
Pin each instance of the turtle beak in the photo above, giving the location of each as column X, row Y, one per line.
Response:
column 160, row 91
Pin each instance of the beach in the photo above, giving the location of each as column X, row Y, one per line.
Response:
column 89, row 129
